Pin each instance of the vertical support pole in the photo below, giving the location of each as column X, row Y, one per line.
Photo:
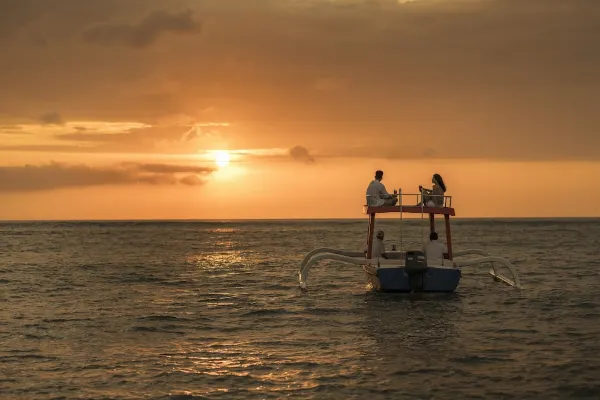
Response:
column 422, row 229
column 431, row 222
column 448, row 236
column 401, row 228
column 370, row 238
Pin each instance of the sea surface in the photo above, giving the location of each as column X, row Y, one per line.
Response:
column 213, row 310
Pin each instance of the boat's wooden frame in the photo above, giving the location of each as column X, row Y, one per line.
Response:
column 447, row 212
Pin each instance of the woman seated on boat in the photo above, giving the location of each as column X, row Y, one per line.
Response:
column 433, row 197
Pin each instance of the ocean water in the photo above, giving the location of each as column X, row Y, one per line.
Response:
column 193, row 310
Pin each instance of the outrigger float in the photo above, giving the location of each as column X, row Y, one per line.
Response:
column 408, row 271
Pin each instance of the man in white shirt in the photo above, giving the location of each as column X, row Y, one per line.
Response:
column 434, row 251
column 378, row 249
column 377, row 195
column 379, row 246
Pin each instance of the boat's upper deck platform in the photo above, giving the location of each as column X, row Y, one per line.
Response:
column 409, row 203
column 409, row 209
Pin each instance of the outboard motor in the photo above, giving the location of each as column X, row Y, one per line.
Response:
column 415, row 266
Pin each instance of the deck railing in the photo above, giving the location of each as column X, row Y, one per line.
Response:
column 406, row 199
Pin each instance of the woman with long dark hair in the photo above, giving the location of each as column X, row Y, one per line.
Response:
column 434, row 197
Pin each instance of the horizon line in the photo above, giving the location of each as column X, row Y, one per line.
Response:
column 278, row 219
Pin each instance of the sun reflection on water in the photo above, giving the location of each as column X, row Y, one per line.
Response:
column 224, row 230
column 236, row 359
column 217, row 260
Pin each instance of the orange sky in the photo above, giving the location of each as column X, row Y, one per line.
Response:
column 112, row 109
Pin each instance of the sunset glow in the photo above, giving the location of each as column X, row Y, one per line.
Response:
column 183, row 107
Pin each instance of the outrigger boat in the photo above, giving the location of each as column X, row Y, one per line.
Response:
column 408, row 271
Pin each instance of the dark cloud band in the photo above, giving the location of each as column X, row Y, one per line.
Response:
column 59, row 176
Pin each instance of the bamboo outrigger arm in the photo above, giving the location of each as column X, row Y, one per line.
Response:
column 488, row 258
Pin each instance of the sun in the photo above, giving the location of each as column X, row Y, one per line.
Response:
column 222, row 158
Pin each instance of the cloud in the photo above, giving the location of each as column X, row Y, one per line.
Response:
column 144, row 33
column 302, row 154
column 204, row 130
column 10, row 129
column 57, row 175
column 191, row 180
column 51, row 118
column 93, row 137
column 475, row 78
column 50, row 148
column 169, row 168
column 149, row 139
column 115, row 137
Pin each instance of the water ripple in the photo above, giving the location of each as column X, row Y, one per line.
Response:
column 201, row 310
